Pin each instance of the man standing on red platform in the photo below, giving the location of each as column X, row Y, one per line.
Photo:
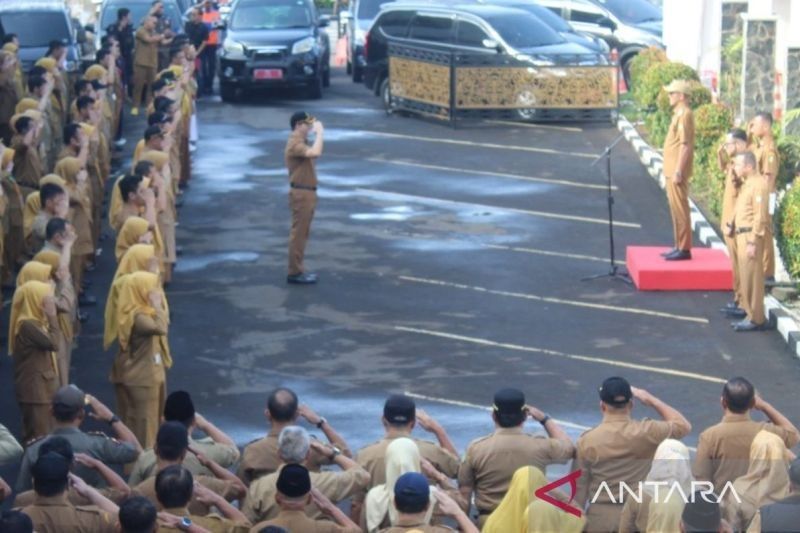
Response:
column 678, row 159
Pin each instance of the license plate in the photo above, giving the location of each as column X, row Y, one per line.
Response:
column 268, row 74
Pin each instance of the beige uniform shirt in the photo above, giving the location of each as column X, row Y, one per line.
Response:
column 212, row 522
column 296, row 521
column 337, row 486
column 421, row 528
column 768, row 160
column 723, row 451
column 226, row 489
column 618, row 449
column 260, row 457
column 729, row 194
column 490, row 462
column 681, row 131
column 222, row 454
column 55, row 515
column 24, row 499
column 302, row 169
column 752, row 206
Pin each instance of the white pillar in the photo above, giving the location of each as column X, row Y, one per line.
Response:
column 683, row 30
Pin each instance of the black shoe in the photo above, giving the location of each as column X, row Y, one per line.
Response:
column 179, row 250
column 83, row 317
column 679, row 255
column 734, row 312
column 665, row 254
column 86, row 300
column 302, row 279
column 746, row 325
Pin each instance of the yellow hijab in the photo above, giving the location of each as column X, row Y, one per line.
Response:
column 8, row 157
column 543, row 517
column 53, row 260
column 767, row 477
column 33, row 204
column 34, row 271
column 47, row 63
column 136, row 259
column 131, row 231
column 115, row 204
column 26, row 104
column 68, row 169
column 132, row 299
column 27, row 305
column 95, row 72
column 509, row 517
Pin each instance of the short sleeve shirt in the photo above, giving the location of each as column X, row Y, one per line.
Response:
column 302, row 170
column 681, row 132
column 146, row 53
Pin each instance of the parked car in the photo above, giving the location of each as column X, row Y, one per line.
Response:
column 358, row 18
column 627, row 25
column 476, row 27
column 274, row 43
column 36, row 23
column 139, row 9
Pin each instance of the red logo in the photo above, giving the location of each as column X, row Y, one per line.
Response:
column 572, row 479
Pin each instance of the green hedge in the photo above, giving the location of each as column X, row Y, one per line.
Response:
column 642, row 62
column 788, row 221
column 657, row 121
column 645, row 93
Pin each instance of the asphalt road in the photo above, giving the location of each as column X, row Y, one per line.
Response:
column 450, row 264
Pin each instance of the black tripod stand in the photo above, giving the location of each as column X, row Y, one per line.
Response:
column 614, row 271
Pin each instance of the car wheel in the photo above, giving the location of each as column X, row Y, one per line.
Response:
column 228, row 92
column 326, row 76
column 358, row 74
column 386, row 95
column 526, row 114
column 315, row 88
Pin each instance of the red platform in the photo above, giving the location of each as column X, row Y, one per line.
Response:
column 708, row 270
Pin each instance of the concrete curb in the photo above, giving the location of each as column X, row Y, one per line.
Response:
column 778, row 316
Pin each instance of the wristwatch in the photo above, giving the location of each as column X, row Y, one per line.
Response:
column 335, row 453
column 185, row 524
column 113, row 420
column 321, row 422
column 544, row 420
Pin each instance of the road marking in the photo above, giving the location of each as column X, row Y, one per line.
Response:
column 459, row 403
column 534, row 126
column 543, row 214
column 547, row 299
column 566, row 183
column 479, row 144
column 549, row 253
column 554, row 353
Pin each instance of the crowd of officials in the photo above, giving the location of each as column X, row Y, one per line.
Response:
column 192, row 476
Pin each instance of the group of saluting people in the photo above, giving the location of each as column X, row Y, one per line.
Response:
column 60, row 138
column 744, row 476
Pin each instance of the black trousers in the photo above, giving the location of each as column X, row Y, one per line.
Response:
column 208, row 67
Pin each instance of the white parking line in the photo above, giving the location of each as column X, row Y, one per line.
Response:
column 479, row 144
column 550, row 253
column 554, row 353
column 534, row 126
column 566, row 183
column 547, row 299
column 544, row 214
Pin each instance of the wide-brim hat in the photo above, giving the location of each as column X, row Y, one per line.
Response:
column 678, row 86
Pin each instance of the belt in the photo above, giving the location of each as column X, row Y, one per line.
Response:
column 302, row 187
column 484, row 512
column 743, row 230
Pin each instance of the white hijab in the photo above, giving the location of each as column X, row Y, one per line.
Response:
column 402, row 456
column 671, row 465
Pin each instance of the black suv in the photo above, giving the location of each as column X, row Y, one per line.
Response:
column 274, row 43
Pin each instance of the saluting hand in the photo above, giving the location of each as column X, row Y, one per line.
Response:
column 86, row 460
column 155, row 299
column 309, row 414
column 79, row 485
column 205, row 495
column 318, row 128
column 642, row 395
column 535, row 413
column 49, row 306
column 320, row 447
column 426, row 421
column 323, row 502
column 99, row 410
column 447, row 505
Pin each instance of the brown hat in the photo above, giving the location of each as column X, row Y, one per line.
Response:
column 679, row 86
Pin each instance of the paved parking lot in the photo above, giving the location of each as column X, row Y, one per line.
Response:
column 450, row 264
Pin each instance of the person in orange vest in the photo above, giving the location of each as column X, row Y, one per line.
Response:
column 208, row 57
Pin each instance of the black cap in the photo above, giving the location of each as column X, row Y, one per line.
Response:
column 179, row 407
column 411, row 490
column 738, row 133
column 300, row 116
column 51, row 466
column 700, row 514
column 294, row 481
column 399, row 409
column 509, row 402
column 616, row 391
column 172, row 435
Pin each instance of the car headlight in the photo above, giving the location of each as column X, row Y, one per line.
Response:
column 304, row 45
column 231, row 47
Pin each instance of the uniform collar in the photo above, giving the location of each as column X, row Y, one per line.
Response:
column 616, row 417
column 59, row 499
column 516, row 430
column 66, row 430
column 736, row 417
column 178, row 511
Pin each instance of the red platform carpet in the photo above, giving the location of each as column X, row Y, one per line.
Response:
column 708, row 270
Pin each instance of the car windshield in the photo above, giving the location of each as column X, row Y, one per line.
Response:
column 548, row 17
column 271, row 16
column 368, row 9
column 523, row 30
column 138, row 11
column 35, row 28
column 632, row 11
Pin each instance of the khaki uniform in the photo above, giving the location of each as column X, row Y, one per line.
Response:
column 298, row 521
column 420, row 528
column 635, row 515
column 145, row 63
column 35, row 377
column 681, row 132
column 13, row 227
column 372, row 459
column 260, row 502
column 24, row 499
column 8, row 101
column 729, row 194
column 751, row 219
column 226, row 489
column 769, row 162
column 98, row 445
column 490, row 463
column 28, row 169
column 212, row 522
column 618, row 449
column 260, row 457
column 55, row 514
column 302, row 201
column 723, row 450
column 147, row 464
column 139, row 378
